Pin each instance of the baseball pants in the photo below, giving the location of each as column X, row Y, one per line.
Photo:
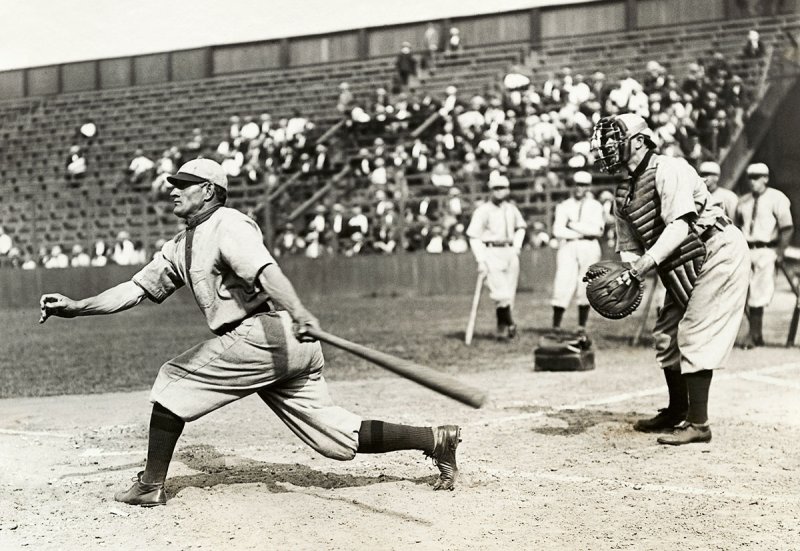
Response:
column 261, row 356
column 503, row 274
column 572, row 260
column 762, row 277
column 702, row 336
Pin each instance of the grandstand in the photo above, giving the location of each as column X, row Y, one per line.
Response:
column 37, row 131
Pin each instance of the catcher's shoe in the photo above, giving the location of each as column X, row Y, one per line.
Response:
column 446, row 440
column 142, row 493
column 502, row 332
column 665, row 420
column 687, row 433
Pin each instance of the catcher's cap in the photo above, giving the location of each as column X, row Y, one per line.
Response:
column 709, row 167
column 200, row 170
column 633, row 125
column 582, row 178
column 498, row 181
column 758, row 169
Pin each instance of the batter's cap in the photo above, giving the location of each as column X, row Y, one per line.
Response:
column 709, row 167
column 197, row 171
column 758, row 169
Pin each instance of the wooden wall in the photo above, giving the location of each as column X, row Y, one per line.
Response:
column 411, row 274
column 520, row 26
column 583, row 19
column 651, row 13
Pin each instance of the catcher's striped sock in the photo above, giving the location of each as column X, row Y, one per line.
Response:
column 698, row 385
column 165, row 429
column 380, row 437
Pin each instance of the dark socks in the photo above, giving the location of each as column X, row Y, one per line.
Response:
column 380, row 437
column 756, row 325
column 698, row 385
column 558, row 315
column 678, row 394
column 504, row 316
column 583, row 314
column 165, row 429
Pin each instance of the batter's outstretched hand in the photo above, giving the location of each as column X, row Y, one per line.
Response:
column 55, row 304
column 301, row 326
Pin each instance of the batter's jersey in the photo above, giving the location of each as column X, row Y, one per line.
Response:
column 681, row 191
column 579, row 219
column 228, row 254
column 493, row 223
column 761, row 217
column 726, row 200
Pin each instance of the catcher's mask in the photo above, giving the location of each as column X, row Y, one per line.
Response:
column 611, row 140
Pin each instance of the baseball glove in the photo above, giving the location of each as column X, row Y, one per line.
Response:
column 613, row 288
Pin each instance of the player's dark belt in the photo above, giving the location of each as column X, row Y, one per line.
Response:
column 264, row 308
column 762, row 244
column 497, row 243
column 711, row 231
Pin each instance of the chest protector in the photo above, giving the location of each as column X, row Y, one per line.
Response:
column 638, row 203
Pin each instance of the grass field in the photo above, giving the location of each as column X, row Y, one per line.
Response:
column 549, row 463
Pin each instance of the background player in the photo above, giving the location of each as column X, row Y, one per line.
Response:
column 765, row 218
column 578, row 225
column 234, row 279
column 496, row 233
column 724, row 198
column 697, row 326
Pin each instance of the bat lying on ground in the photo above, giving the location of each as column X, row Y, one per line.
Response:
column 427, row 377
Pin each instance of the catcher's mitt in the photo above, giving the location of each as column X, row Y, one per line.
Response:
column 613, row 288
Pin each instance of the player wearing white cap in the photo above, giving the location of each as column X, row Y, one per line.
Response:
column 765, row 218
column 578, row 225
column 720, row 196
column 496, row 233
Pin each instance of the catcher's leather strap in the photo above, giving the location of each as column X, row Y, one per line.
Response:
column 638, row 202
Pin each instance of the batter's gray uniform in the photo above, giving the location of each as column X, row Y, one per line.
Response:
column 254, row 349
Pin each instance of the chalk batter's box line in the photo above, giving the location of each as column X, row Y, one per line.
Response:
column 612, row 484
column 756, row 375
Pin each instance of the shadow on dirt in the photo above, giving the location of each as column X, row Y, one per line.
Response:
column 578, row 420
column 216, row 468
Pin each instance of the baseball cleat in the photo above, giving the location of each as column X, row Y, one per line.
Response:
column 447, row 438
column 142, row 493
column 665, row 420
column 687, row 433
column 512, row 331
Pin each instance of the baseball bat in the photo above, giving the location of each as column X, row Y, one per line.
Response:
column 645, row 314
column 796, row 314
column 423, row 375
column 473, row 313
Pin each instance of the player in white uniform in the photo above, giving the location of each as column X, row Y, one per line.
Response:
column 765, row 218
column 236, row 283
column 496, row 233
column 578, row 225
column 720, row 196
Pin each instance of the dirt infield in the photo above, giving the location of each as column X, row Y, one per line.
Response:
column 549, row 463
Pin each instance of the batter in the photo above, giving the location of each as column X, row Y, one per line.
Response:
column 237, row 285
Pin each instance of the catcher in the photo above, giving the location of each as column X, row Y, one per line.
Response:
column 666, row 220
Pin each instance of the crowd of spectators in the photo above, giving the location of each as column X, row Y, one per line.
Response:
column 526, row 126
column 121, row 251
